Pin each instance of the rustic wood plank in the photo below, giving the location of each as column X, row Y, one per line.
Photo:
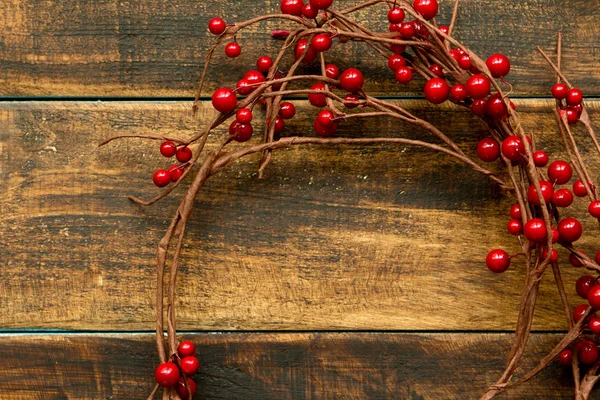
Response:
column 376, row 237
column 155, row 48
column 277, row 366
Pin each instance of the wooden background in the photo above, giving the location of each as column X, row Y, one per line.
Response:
column 347, row 273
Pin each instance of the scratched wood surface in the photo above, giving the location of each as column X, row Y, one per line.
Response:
column 344, row 238
column 155, row 48
column 277, row 366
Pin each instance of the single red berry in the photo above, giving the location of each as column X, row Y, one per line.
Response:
column 317, row 100
column 240, row 132
column 190, row 365
column 594, row 325
column 547, row 193
column 279, row 125
column 540, row 158
column 243, row 87
column 584, row 284
column 176, row 171
column 216, row 26
column 244, row 116
column 398, row 48
column 479, row 106
column 403, row 75
column 407, row 30
column 444, row 29
column 515, row 211
column 464, row 61
column 572, row 115
column 321, row 4
column 488, row 150
column 321, row 42
column 350, row 101
column 565, row 357
column 325, row 131
column 326, row 118
column 436, row 90
column 352, row 80
column 560, row 172
column 497, row 261
column 515, row 227
column 233, row 50
column 186, row 349
column 437, row 70
column 478, row 86
column 309, row 11
column 420, row 29
column 587, row 353
column 184, row 154
column 535, row 230
column 560, row 91
column 287, row 110
column 498, row 64
column 167, row 374
column 254, row 77
column 427, row 8
column 555, row 234
column 579, row 188
column 396, row 15
column 458, row 92
column 456, row 53
column 182, row 390
column 570, row 229
column 264, row 63
column 575, row 260
column 331, row 71
column 396, row 61
column 224, row 100
column 513, row 148
column 562, row 198
column 579, row 312
column 574, row 97
column 161, row 178
column 553, row 255
column 594, row 208
column 168, row 149
column 495, row 107
column 310, row 54
column 292, row 7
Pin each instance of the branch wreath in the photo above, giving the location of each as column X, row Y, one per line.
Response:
column 452, row 72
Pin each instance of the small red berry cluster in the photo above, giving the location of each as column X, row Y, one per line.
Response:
column 183, row 154
column 569, row 102
column 169, row 375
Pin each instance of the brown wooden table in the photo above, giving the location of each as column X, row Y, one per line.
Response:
column 346, row 273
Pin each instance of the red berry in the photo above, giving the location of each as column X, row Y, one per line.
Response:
column 232, row 50
column 326, row 118
column 570, row 229
column 575, row 260
column 515, row 227
column 321, row 42
column 565, row 357
column 579, row 312
column 560, row 172
column 352, row 80
column 574, row 97
column 244, row 116
column 584, row 284
column 398, row 48
column 182, row 390
column 325, row 131
column 427, row 8
column 216, row 26
column 594, row 325
column 349, row 101
column 594, row 208
column 403, row 75
column 407, row 30
column 488, row 150
column 562, row 198
column 513, row 148
column 498, row 64
column 279, row 125
column 189, row 365
column 224, row 100
column 535, row 230
column 547, row 193
column 464, row 61
column 555, row 234
column 168, row 149
column 396, row 15
column 458, row 92
column 587, row 352
column 515, row 211
column 240, row 132
column 292, row 7
column 287, row 110
column 310, row 54
column 559, row 91
column 396, row 61
column 161, row 178
column 437, row 70
column 456, row 53
column 444, row 29
column 478, row 86
column 497, row 261
column 495, row 107
column 436, row 90
column 254, row 77
column 579, row 188
column 167, row 374
column 540, row 158
column 321, row 4
column 553, row 256
column 186, row 349
column 331, row 71
column 175, row 171
column 420, row 29
column 264, row 63
column 479, row 106
column 243, row 87
column 572, row 115
column 184, row 154
column 309, row 11
column 317, row 100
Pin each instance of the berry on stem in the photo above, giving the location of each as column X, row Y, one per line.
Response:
column 437, row 70
column 403, row 75
column 186, row 349
column 584, row 284
column 310, row 55
column 427, row 8
column 497, row 261
column 478, row 86
column 182, row 390
column 264, row 63
column 436, row 90
column 513, row 148
column 161, row 178
column 562, row 198
column 479, row 106
column 575, row 260
column 324, row 131
column 515, row 211
column 331, row 71
column 574, row 97
column 579, row 312
column 540, row 158
column 560, row 91
column 325, row 118
column 495, row 107
column 321, row 42
column 292, row 7
column 587, row 352
column 498, row 64
column 514, row 227
column 233, row 50
column 352, row 80
column 190, row 365
column 488, row 150
column 167, row 374
column 535, row 230
column 396, row 61
column 184, row 154
column 317, row 100
column 547, row 192
column 570, row 229
column 407, row 30
column 594, row 208
column 224, row 100
column 309, row 11
column 176, row 171
column 565, row 357
column 464, row 61
column 560, row 172
column 579, row 188
column 244, row 116
column 321, row 4
column 458, row 92
column 396, row 15
column 216, row 26
column 350, row 101
column 287, row 110
column 168, row 149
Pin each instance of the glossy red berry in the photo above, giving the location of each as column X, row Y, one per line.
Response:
column 540, row 158
column 403, row 75
column 244, row 116
column 161, row 178
column 479, row 106
column 547, row 193
column 565, row 357
column 186, row 349
column 464, row 61
column 560, row 172
column 444, row 29
column 352, row 80
column 594, row 208
column 182, row 390
column 587, row 352
column 579, row 312
column 497, row 261
column 584, row 284
column 514, row 227
column 572, row 115
column 326, row 118
column 456, row 53
column 420, row 29
column 331, row 71
column 495, row 107
column 224, row 100
column 535, row 230
column 555, row 234
column 254, row 77
column 498, row 64
column 553, row 255
column 167, row 374
column 458, row 92
column 579, row 188
column 279, row 125
column 560, row 91
column 396, row 15
column 321, row 42
column 427, row 8
column 309, row 11
column 190, row 365
column 437, row 70
column 310, row 54
column 513, row 148
column 184, row 154
column 264, row 63
column 574, row 97
column 570, row 229
column 243, row 87
column 240, row 132
column 317, row 100
column 407, row 30
column 233, row 50
column 350, row 101
column 488, row 150
column 324, row 131
column 396, row 61
column 562, row 198
column 478, row 86
column 321, row 4
column 287, row 110
column 515, row 211
column 436, row 90
column 175, row 171
column 575, row 260
column 594, row 325
column 292, row 7
column 168, row 149
column 216, row 26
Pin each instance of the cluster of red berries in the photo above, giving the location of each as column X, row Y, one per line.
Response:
column 169, row 375
column 183, row 154
column 571, row 107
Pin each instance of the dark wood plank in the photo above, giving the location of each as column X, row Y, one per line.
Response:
column 156, row 48
column 377, row 237
column 277, row 366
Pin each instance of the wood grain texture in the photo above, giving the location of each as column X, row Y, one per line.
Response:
column 338, row 238
column 155, row 48
column 276, row 366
